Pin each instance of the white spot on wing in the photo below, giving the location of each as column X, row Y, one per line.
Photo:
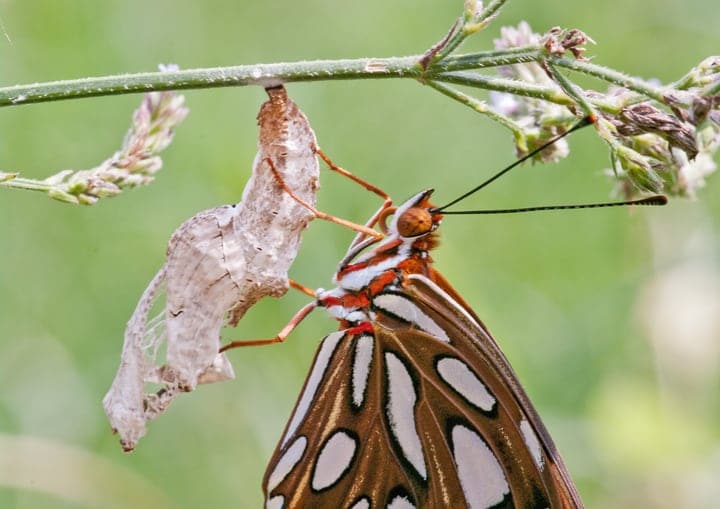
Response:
column 401, row 412
column 461, row 378
column 286, row 463
column 318, row 370
column 275, row 502
column 532, row 442
column 481, row 476
column 363, row 503
column 406, row 310
column 361, row 368
column 333, row 460
column 400, row 502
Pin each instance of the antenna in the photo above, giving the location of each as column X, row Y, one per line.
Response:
column 590, row 119
column 657, row 200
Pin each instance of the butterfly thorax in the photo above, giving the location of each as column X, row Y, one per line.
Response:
column 404, row 251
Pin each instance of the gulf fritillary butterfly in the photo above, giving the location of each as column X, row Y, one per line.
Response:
column 411, row 404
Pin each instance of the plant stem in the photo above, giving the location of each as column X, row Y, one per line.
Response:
column 28, row 184
column 612, row 76
column 571, row 90
column 482, row 59
column 511, row 86
column 267, row 75
column 465, row 26
column 478, row 106
column 264, row 75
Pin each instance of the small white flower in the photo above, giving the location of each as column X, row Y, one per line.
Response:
column 504, row 103
column 692, row 174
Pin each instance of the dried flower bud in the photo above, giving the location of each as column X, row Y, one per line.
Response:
column 473, row 9
column 680, row 154
column 646, row 118
column 134, row 164
column 60, row 195
column 638, row 169
column 86, row 199
column 557, row 41
column 705, row 73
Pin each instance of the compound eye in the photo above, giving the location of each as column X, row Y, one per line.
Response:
column 414, row 222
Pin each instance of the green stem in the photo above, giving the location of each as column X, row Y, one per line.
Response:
column 264, row 75
column 685, row 81
column 490, row 10
column 467, row 25
column 477, row 105
column 28, row 184
column 612, row 76
column 482, row 59
column 510, row 86
column 572, row 90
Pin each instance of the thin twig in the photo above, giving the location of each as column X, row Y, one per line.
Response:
column 478, row 106
column 612, row 76
column 571, row 90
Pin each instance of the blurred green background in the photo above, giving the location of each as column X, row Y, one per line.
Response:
column 610, row 317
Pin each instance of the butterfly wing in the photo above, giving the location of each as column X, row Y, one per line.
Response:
column 423, row 412
column 515, row 433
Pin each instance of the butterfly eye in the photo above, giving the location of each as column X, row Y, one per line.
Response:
column 414, row 222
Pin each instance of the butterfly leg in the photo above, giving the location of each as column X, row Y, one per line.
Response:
column 345, row 173
column 284, row 333
column 373, row 189
column 302, row 288
column 364, row 230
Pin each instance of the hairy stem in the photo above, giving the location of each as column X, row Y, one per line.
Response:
column 267, row 75
column 478, row 106
column 483, row 59
column 612, row 76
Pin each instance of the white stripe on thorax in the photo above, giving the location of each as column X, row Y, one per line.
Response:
column 358, row 279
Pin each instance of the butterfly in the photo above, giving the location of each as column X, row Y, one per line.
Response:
column 411, row 404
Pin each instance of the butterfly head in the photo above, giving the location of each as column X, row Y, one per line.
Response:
column 415, row 218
